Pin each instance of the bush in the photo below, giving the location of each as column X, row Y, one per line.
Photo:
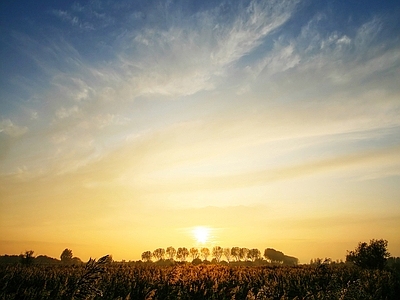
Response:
column 372, row 256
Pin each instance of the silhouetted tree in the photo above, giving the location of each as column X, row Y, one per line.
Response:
column 171, row 252
column 372, row 256
column 227, row 254
column 290, row 260
column 182, row 253
column 194, row 253
column 394, row 263
column 205, row 253
column 66, row 256
column 254, row 254
column 146, row 256
column 235, row 251
column 159, row 253
column 274, row 256
column 46, row 260
column 217, row 252
column 78, row 261
column 243, row 253
column 27, row 258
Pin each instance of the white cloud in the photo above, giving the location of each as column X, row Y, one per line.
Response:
column 63, row 113
column 103, row 120
column 11, row 129
column 34, row 115
column 344, row 40
column 367, row 33
column 247, row 31
column 280, row 59
column 179, row 61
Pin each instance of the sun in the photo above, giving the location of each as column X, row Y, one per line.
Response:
column 201, row 234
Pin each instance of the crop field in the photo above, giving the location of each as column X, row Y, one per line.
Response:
column 187, row 281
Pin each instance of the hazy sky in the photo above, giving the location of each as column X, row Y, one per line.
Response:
column 126, row 124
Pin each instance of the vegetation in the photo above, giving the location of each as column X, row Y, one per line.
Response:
column 101, row 280
column 372, row 256
column 232, row 255
column 27, row 258
column 367, row 274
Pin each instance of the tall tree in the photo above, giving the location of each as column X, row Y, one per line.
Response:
column 227, row 254
column 243, row 253
column 274, row 256
column 254, row 254
column 205, row 253
column 146, row 256
column 66, row 256
column 217, row 252
column 171, row 252
column 290, row 260
column 182, row 253
column 194, row 253
column 372, row 256
column 235, row 251
column 159, row 253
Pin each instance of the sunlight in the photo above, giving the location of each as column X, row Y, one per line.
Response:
column 201, row 234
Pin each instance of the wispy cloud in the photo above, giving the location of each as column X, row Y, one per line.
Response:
column 247, row 31
column 9, row 128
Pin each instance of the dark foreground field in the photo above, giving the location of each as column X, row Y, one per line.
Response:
column 196, row 282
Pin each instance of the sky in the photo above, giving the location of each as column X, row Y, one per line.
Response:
column 126, row 125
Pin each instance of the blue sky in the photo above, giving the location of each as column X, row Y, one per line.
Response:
column 160, row 116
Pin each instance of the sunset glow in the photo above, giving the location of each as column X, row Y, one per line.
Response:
column 201, row 234
column 127, row 126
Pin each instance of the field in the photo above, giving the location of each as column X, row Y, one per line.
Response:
column 187, row 281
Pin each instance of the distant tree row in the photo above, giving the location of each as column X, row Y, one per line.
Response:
column 234, row 254
column 28, row 258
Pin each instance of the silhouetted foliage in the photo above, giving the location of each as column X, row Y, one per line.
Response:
column 182, row 253
column 146, row 256
column 46, row 260
column 194, row 253
column 159, row 253
column 372, row 256
column 254, row 254
column 274, row 256
column 66, row 256
column 204, row 281
column 235, row 252
column 27, row 258
column 227, row 254
column 290, row 261
column 10, row 259
column 87, row 285
column 393, row 263
column 243, row 253
column 243, row 256
column 217, row 252
column 205, row 253
column 78, row 261
column 171, row 252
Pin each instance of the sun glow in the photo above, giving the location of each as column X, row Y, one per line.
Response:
column 201, row 234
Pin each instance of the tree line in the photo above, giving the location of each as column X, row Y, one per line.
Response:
column 217, row 253
column 372, row 255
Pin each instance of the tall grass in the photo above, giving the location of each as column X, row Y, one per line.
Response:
column 99, row 280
